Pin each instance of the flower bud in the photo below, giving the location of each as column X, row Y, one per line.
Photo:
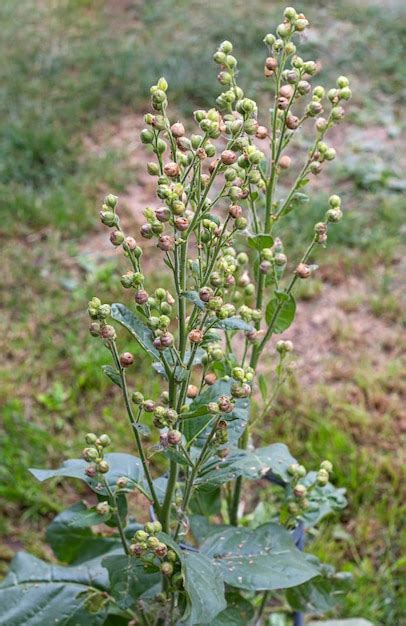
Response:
column 167, row 569
column 90, row 454
column 196, row 336
column 228, row 157
column 153, row 542
column 107, row 332
column 116, row 238
column 166, row 243
column 303, row 270
column 161, row 550
column 103, row 508
column 301, row 24
column 235, row 211
column 108, row 218
column 147, row 136
column 300, row 491
column 292, row 122
column 321, row 124
column 280, row 259
column 285, row 162
column 146, row 231
column 104, row 440
column 141, row 297
column 103, row 467
column 205, row 294
column 94, row 329
column 241, row 223
column 342, row 81
column 153, row 169
column 192, row 391
column 330, row 154
column 345, row 93
column 177, row 129
column 269, row 39
column 326, row 465
column 136, row 549
column 262, row 132
column 210, row 378
column 334, row 215
column 284, row 346
column 174, row 437
column 315, row 167
column 171, row 169
column 122, row 482
column 129, row 243
column 166, row 340
column 314, row 108
column 322, row 477
column 162, row 214
column 337, row 113
column 90, row 438
column 225, row 405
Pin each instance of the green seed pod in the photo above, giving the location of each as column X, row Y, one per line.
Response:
column 345, row 93
column 269, row 39
column 334, row 201
column 90, row 454
column 342, row 81
column 147, row 136
column 104, row 311
column 90, row 438
column 108, row 218
column 104, row 440
column 327, row 465
column 137, row 397
column 103, row 467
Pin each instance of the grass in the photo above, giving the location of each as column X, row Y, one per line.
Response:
column 71, row 66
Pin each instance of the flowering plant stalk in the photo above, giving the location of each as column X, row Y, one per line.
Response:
column 202, row 558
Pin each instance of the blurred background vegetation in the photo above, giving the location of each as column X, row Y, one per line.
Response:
column 75, row 77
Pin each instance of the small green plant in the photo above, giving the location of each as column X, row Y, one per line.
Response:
column 204, row 557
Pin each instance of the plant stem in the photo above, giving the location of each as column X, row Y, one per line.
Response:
column 117, row 516
column 133, row 422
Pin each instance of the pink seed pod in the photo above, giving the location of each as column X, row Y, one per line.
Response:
column 285, row 162
column 196, row 335
column 192, row 391
column 262, row 132
column 303, row 270
column 286, row 91
column 171, row 169
column 162, row 214
column 177, row 129
column 141, row 297
column 210, row 378
column 271, row 63
column 235, row 211
column 129, row 243
column 174, row 437
column 292, row 122
column 166, row 243
column 228, row 157
column 181, row 223
column 108, row 332
column 126, row 359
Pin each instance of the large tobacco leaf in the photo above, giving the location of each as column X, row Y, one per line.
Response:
column 72, row 539
column 120, row 464
column 261, row 559
column 35, row 593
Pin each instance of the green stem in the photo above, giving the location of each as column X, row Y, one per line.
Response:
column 133, row 422
column 117, row 516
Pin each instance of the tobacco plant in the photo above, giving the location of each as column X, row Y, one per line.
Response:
column 209, row 554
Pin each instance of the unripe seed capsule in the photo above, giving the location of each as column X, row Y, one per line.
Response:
column 285, row 162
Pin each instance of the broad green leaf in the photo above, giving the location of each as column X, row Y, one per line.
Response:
column 239, row 612
column 206, row 500
column 233, row 323
column 120, row 465
column 320, row 594
column 71, row 541
column 280, row 313
column 237, row 418
column 129, row 579
column 323, row 501
column 202, row 528
column 260, row 559
column 204, row 587
column 138, row 329
column 194, row 425
column 38, row 594
column 113, row 374
column 259, row 242
column 275, row 458
column 193, row 297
